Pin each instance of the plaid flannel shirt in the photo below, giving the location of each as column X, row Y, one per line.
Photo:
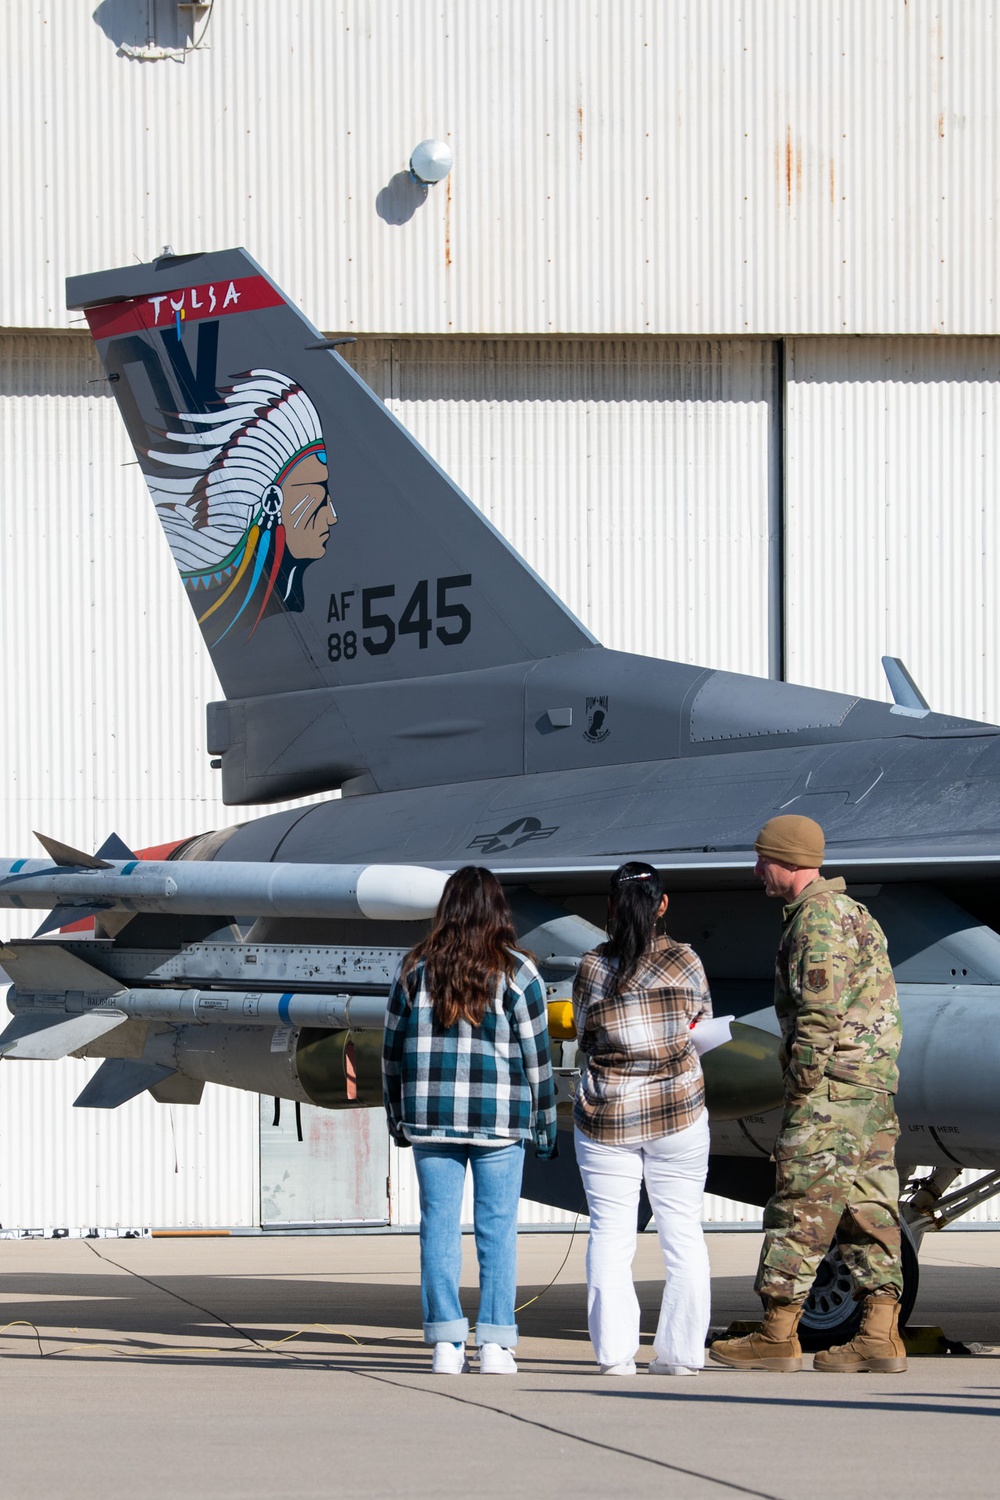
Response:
column 642, row 1077
column 470, row 1083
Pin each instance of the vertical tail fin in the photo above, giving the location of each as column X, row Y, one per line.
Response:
column 319, row 545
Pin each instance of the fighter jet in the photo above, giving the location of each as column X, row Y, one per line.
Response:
column 376, row 637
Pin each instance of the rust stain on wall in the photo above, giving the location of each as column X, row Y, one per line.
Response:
column 789, row 166
column 579, row 130
column 447, row 222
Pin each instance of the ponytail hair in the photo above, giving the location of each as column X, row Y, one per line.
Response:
column 634, row 897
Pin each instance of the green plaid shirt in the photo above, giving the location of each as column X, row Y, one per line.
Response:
column 470, row 1083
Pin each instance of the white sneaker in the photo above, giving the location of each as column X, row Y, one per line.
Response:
column 494, row 1359
column 660, row 1367
column 623, row 1367
column 449, row 1361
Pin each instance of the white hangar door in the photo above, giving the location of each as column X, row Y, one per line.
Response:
column 637, row 476
column 893, row 511
column 103, row 658
column 322, row 1166
column 892, row 485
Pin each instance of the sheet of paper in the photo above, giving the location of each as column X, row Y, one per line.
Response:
column 710, row 1034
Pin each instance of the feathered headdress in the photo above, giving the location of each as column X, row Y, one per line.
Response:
column 222, row 517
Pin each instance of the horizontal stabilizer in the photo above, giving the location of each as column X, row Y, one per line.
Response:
column 48, row 1037
column 117, row 1080
column 48, row 969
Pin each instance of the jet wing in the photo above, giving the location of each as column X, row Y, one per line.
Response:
column 973, row 857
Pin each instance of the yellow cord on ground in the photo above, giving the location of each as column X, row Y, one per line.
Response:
column 562, row 1263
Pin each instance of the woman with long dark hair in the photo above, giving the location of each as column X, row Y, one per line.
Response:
column 467, row 1079
column 639, row 1117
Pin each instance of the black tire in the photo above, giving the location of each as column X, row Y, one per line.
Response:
column 831, row 1315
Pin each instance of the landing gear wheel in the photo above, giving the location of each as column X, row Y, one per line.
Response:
column 831, row 1315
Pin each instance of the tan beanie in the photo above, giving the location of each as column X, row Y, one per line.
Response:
column 793, row 840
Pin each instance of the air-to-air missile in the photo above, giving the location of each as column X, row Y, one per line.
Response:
column 282, row 1030
column 378, row 892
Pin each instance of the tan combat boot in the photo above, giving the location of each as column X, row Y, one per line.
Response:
column 876, row 1346
column 775, row 1347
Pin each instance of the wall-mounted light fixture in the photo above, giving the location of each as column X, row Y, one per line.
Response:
column 431, row 161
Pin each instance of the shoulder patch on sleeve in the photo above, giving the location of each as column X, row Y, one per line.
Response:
column 815, row 980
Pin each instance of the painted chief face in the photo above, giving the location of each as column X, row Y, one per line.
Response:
column 243, row 495
column 306, row 510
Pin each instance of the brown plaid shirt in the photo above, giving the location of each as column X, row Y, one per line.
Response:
column 642, row 1077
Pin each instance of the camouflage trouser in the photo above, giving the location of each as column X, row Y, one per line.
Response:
column 836, row 1173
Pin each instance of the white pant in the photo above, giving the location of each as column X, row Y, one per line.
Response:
column 674, row 1168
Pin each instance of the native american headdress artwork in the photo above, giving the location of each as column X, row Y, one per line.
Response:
column 226, row 516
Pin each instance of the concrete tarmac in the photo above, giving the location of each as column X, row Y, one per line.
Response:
column 273, row 1367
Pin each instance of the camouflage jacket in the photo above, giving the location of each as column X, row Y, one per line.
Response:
column 834, row 993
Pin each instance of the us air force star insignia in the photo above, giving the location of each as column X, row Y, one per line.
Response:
column 598, row 727
column 523, row 831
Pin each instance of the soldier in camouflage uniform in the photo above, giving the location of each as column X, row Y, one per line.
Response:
column 836, row 1003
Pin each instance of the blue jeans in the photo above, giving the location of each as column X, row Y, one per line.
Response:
column 496, row 1187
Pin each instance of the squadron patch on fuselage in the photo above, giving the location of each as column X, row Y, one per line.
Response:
column 598, row 727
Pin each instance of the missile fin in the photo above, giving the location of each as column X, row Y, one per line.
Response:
column 65, row 854
column 48, row 969
column 48, row 1037
column 178, row 1090
column 115, row 848
column 117, row 1080
column 114, row 922
column 64, row 916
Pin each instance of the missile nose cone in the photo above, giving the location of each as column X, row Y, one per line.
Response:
column 743, row 1077
column 399, row 892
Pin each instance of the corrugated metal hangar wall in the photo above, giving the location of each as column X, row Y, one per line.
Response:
column 627, row 326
